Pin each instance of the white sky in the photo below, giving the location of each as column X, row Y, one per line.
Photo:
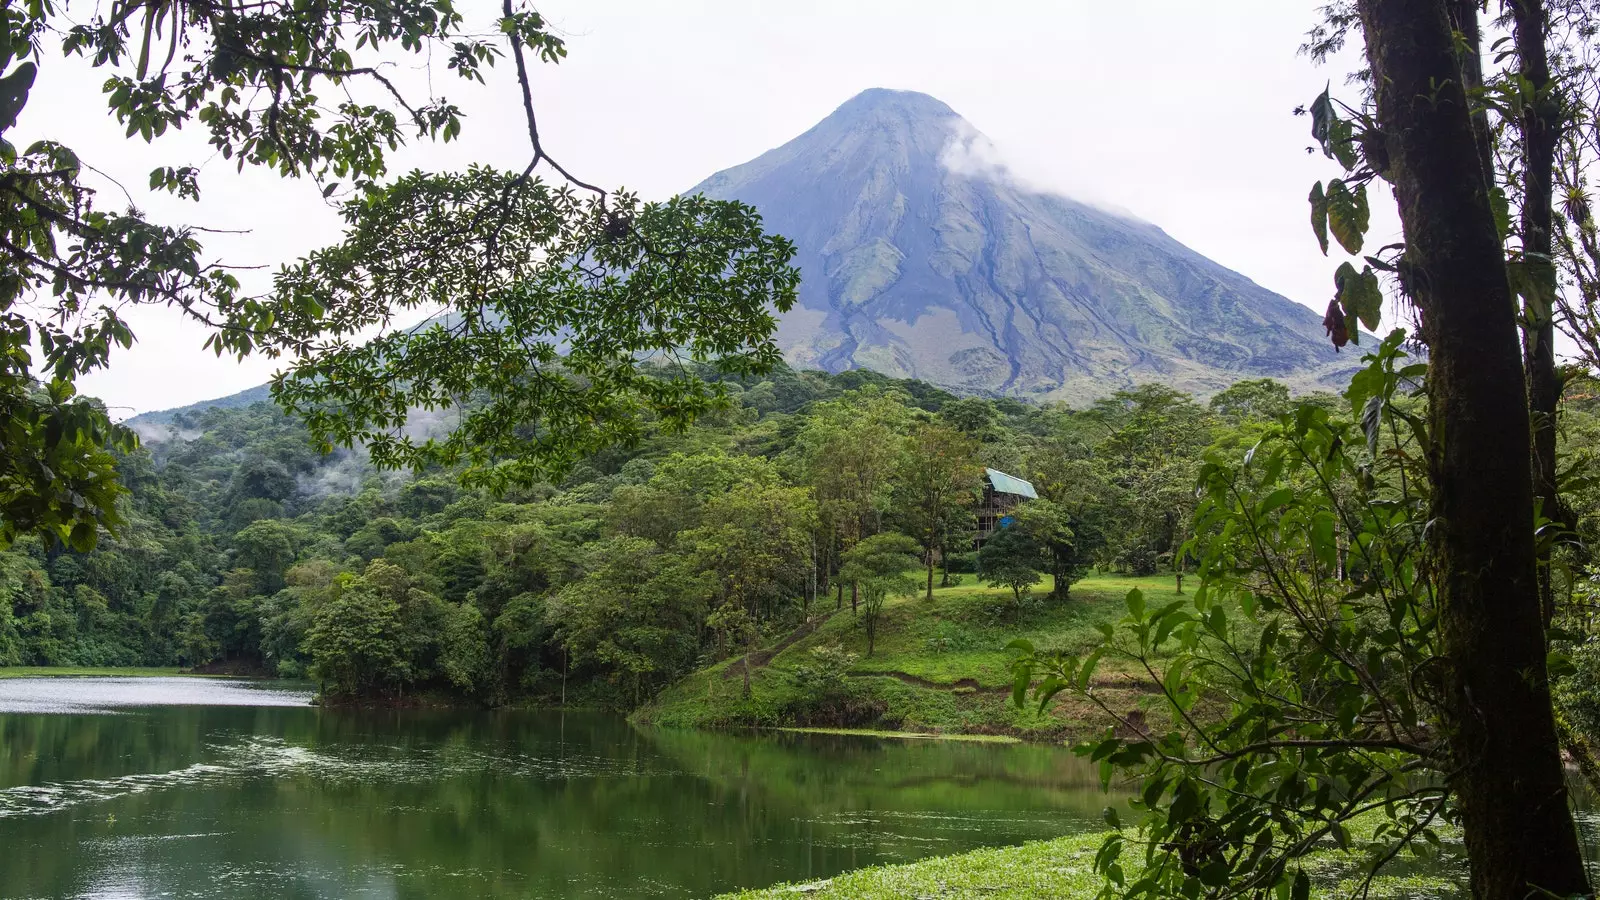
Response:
column 1177, row 111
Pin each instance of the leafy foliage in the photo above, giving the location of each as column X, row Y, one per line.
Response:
column 640, row 566
column 1303, row 676
column 524, row 266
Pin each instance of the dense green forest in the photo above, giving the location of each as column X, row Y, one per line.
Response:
column 245, row 550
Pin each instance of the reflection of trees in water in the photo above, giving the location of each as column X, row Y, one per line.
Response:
column 828, row 772
column 418, row 803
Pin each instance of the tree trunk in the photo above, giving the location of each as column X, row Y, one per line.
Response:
column 1538, row 135
column 930, row 573
column 1500, row 728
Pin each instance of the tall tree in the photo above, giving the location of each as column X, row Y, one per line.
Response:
column 1509, row 783
column 879, row 566
column 1534, row 105
column 849, row 449
column 939, row 482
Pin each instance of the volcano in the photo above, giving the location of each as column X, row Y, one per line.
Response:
column 919, row 260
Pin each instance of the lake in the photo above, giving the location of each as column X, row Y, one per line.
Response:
column 192, row 788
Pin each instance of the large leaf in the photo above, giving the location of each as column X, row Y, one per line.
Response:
column 14, row 93
column 1342, row 144
column 1322, row 120
column 1348, row 214
column 1360, row 296
column 1501, row 207
column 1533, row 278
column 1319, row 216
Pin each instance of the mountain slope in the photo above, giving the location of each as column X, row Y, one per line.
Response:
column 919, row 263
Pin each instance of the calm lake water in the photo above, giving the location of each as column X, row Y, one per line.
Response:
column 168, row 787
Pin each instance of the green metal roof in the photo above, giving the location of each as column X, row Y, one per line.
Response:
column 1007, row 484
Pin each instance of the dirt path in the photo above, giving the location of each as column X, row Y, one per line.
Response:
column 760, row 658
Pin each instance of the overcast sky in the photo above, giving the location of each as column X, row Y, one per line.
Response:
column 1176, row 111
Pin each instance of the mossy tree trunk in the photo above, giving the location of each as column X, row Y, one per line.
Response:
column 1500, row 727
column 1538, row 130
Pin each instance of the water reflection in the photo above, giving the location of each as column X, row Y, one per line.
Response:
column 220, row 801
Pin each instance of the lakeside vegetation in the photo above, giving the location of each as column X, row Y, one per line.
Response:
column 97, row 672
column 1060, row 869
column 941, row 666
column 245, row 551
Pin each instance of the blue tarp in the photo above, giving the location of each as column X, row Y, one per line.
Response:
column 1007, row 484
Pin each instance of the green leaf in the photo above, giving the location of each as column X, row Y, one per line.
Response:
column 1559, row 665
column 1086, row 671
column 1274, row 500
column 1135, row 601
column 1341, row 141
column 14, row 93
column 1348, row 215
column 1532, row 277
column 1360, row 297
column 1322, row 120
column 1019, row 684
column 1501, row 207
column 1319, row 216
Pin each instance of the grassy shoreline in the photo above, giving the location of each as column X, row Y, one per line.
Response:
column 908, row 735
column 99, row 672
column 1062, row 869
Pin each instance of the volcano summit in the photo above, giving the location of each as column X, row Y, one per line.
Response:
column 918, row 263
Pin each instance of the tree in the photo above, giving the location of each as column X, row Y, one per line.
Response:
column 849, row 449
column 879, row 566
column 267, row 548
column 521, row 259
column 357, row 642
column 1011, row 558
column 939, row 482
column 1257, row 398
column 974, row 416
column 1510, row 787
column 1445, row 576
column 1150, row 451
column 1068, row 543
column 635, row 615
column 754, row 546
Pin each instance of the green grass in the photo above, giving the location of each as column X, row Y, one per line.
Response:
column 911, row 735
column 1042, row 870
column 938, row 666
column 1060, row 869
column 80, row 671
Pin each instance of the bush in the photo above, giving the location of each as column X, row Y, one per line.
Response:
column 826, row 695
column 965, row 563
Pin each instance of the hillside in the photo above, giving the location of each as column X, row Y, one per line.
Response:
column 920, row 262
column 938, row 667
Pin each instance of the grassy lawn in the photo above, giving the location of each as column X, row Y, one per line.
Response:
column 67, row 671
column 962, row 633
column 938, row 666
column 1061, row 869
